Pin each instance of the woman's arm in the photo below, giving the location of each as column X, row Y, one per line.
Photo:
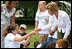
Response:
column 1, row 8
column 13, row 19
column 27, row 41
column 19, row 39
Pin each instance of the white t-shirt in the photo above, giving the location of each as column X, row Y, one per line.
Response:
column 40, row 17
column 54, row 21
column 39, row 46
column 9, row 41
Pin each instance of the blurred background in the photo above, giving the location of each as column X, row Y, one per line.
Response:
column 26, row 10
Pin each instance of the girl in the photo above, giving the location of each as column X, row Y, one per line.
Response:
column 13, row 39
column 42, row 20
column 7, row 12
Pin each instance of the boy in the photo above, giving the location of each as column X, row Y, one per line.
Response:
column 22, row 32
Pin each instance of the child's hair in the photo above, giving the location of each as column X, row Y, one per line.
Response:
column 36, row 43
column 38, row 5
column 9, row 29
column 52, row 7
column 8, row 3
column 51, row 45
column 62, row 43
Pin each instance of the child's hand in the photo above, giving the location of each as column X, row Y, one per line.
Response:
column 51, row 33
column 46, row 19
column 33, row 32
column 38, row 29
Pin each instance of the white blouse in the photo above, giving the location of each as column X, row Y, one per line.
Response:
column 5, row 15
column 63, row 23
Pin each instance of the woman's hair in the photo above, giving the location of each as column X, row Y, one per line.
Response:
column 9, row 29
column 39, row 3
column 52, row 7
column 8, row 3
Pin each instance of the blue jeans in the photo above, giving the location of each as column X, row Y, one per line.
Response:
column 50, row 39
column 44, row 43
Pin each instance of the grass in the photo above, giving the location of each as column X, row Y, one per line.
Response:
column 34, row 37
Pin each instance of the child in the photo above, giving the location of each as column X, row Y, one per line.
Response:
column 42, row 18
column 36, row 43
column 61, row 43
column 13, row 39
column 22, row 32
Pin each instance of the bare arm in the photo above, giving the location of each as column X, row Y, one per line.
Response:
column 19, row 39
column 36, row 24
column 1, row 8
column 13, row 19
column 51, row 32
column 27, row 41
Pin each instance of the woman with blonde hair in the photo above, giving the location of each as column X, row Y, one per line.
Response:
column 41, row 19
column 7, row 16
column 59, row 20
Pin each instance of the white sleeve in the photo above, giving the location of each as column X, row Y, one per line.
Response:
column 39, row 46
column 10, row 37
column 49, row 25
column 67, row 33
column 68, row 25
column 37, row 17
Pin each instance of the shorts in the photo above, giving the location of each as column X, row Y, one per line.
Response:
column 43, row 35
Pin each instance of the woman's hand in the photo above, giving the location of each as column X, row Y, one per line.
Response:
column 30, row 36
column 46, row 19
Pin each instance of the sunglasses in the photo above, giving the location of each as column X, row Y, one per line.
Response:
column 22, row 28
